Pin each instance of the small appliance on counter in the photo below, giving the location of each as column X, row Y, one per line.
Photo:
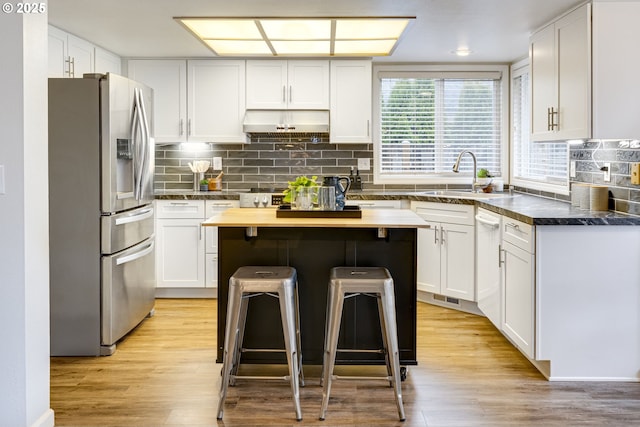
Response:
column 356, row 180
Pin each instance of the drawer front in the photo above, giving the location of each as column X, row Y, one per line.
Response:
column 518, row 234
column 449, row 213
column 180, row 209
column 375, row 204
column 213, row 207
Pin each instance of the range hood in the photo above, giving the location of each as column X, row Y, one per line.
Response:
column 261, row 122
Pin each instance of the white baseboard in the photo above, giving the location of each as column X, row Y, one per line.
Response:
column 46, row 420
column 186, row 292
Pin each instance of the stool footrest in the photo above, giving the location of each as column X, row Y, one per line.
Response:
column 262, row 350
column 354, row 350
column 361, row 377
column 261, row 377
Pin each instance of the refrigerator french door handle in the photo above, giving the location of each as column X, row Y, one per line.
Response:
column 135, row 125
column 135, row 218
column 136, row 255
column 144, row 126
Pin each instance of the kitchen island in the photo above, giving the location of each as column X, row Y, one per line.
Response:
column 382, row 237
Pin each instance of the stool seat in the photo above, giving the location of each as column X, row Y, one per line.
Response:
column 375, row 282
column 245, row 283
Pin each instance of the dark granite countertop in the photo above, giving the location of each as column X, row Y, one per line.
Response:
column 196, row 195
column 523, row 207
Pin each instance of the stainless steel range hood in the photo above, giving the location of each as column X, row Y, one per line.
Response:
column 261, row 122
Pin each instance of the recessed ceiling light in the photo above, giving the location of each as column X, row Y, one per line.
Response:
column 319, row 36
column 463, row 51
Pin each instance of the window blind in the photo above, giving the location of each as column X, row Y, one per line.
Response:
column 544, row 162
column 426, row 122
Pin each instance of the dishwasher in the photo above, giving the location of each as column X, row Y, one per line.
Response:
column 488, row 271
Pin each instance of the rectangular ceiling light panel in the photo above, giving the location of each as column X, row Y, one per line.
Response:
column 298, row 36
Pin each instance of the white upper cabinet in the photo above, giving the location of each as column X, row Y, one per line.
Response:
column 350, row 116
column 560, row 61
column 71, row 56
column 195, row 100
column 168, row 79
column 584, row 74
column 616, row 61
column 106, row 62
column 57, row 53
column 281, row 84
column 216, row 100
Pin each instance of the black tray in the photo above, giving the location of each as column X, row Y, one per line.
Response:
column 349, row 211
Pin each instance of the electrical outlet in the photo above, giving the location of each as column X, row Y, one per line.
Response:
column 364, row 164
column 217, row 163
column 607, row 172
column 635, row 173
column 572, row 169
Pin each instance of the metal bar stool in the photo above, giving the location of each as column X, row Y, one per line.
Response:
column 249, row 281
column 376, row 282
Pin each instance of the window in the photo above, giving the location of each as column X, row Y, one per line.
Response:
column 425, row 118
column 537, row 165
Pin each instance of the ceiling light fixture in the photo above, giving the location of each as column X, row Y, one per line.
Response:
column 463, row 51
column 367, row 36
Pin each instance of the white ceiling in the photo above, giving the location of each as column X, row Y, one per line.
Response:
column 495, row 30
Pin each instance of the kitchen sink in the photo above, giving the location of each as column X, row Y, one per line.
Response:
column 466, row 194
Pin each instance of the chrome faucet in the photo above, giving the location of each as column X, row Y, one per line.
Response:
column 474, row 181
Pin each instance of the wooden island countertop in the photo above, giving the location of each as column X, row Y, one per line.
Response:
column 266, row 217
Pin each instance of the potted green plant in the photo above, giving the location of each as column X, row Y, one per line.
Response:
column 204, row 185
column 299, row 182
column 484, row 179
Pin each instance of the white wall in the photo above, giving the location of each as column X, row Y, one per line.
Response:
column 24, row 245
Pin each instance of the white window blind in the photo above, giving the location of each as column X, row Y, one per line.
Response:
column 534, row 162
column 425, row 122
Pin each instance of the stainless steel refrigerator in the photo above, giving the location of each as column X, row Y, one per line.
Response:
column 101, row 217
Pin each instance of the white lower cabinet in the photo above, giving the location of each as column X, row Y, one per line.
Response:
column 446, row 250
column 180, row 244
column 187, row 252
column 518, row 284
column 213, row 207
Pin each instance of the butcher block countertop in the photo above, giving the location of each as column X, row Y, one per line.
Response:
column 266, row 217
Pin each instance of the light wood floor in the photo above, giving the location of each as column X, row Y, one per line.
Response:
column 163, row 374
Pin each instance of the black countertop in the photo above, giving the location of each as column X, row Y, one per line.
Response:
column 523, row 207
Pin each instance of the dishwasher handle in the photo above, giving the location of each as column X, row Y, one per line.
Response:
column 486, row 221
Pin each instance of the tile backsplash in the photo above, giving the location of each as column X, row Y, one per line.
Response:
column 590, row 156
column 271, row 163
column 267, row 162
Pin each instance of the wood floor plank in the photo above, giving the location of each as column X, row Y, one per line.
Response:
column 164, row 374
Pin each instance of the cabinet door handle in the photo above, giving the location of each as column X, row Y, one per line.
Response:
column 552, row 123
column 435, row 235
column 512, row 225
column 442, row 242
column 181, row 125
column 284, row 93
column 500, row 251
column 67, row 61
column 189, row 127
column 368, row 128
column 290, row 93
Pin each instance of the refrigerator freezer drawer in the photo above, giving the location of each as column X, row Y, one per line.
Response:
column 125, row 229
column 128, row 290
